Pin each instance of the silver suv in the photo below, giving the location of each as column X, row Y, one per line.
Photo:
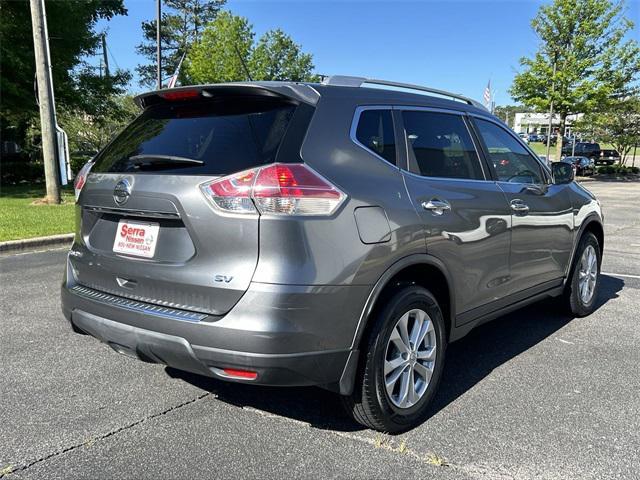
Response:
column 337, row 234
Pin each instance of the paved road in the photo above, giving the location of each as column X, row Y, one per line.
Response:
column 531, row 395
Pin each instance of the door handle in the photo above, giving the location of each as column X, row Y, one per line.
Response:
column 519, row 206
column 437, row 207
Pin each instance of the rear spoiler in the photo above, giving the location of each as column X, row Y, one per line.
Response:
column 299, row 92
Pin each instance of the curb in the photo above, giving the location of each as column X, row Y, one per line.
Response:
column 29, row 243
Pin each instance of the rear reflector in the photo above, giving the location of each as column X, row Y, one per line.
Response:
column 278, row 189
column 244, row 374
column 174, row 96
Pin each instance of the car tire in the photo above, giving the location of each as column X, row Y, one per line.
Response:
column 372, row 403
column 580, row 298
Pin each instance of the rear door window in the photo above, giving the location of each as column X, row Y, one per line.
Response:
column 439, row 145
column 375, row 133
column 207, row 138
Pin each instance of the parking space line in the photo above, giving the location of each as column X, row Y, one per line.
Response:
column 623, row 275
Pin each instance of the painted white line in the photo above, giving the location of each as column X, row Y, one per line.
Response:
column 623, row 275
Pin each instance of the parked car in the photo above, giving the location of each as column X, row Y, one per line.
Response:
column 534, row 137
column 608, row 157
column 335, row 234
column 524, row 137
column 584, row 166
column 582, row 149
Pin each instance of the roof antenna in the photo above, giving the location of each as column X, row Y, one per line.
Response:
column 244, row 65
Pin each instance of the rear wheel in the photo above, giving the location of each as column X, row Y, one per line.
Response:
column 402, row 363
column 582, row 289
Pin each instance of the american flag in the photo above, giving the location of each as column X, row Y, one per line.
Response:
column 174, row 78
column 487, row 95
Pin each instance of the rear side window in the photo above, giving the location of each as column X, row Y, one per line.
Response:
column 440, row 146
column 375, row 132
column 207, row 138
column 512, row 162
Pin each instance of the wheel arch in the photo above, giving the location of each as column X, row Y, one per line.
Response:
column 418, row 269
column 591, row 224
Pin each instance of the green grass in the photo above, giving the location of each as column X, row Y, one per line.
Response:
column 19, row 218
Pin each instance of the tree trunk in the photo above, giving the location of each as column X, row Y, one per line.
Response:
column 563, row 121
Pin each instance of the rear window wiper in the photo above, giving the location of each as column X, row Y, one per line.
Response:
column 148, row 158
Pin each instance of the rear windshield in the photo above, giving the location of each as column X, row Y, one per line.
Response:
column 207, row 138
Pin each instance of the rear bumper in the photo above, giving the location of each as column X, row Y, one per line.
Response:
column 288, row 334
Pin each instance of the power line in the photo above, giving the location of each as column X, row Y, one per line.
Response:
column 113, row 57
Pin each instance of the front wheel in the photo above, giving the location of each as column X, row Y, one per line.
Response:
column 402, row 363
column 582, row 287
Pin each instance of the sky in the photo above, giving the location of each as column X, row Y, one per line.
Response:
column 453, row 45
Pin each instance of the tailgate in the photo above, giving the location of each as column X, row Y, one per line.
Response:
column 203, row 261
column 146, row 230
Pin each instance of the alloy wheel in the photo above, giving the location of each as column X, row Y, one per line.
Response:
column 588, row 274
column 410, row 358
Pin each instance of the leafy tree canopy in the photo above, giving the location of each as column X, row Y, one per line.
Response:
column 584, row 60
column 619, row 125
column 226, row 43
column 278, row 57
column 227, row 53
column 181, row 26
column 71, row 27
column 594, row 61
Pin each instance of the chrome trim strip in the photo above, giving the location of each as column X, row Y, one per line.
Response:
column 139, row 307
column 133, row 213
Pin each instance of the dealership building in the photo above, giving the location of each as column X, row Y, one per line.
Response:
column 539, row 122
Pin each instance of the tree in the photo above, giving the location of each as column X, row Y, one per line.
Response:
column 583, row 61
column 278, row 57
column 223, row 52
column 181, row 26
column 226, row 53
column 619, row 125
column 71, row 25
column 90, row 134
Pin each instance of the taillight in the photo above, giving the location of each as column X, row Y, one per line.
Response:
column 81, row 178
column 278, row 189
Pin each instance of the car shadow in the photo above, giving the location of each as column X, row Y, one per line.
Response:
column 469, row 361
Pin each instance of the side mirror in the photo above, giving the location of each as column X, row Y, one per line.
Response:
column 562, row 173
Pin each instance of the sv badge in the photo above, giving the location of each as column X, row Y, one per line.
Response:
column 222, row 278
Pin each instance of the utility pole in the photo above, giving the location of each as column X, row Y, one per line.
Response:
column 553, row 89
column 45, row 99
column 104, row 55
column 158, row 44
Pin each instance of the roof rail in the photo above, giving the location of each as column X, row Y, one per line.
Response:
column 347, row 81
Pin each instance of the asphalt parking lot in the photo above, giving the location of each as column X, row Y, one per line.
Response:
column 531, row 395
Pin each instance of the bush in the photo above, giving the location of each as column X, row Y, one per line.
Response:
column 21, row 171
column 607, row 169
column 618, row 170
column 78, row 161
